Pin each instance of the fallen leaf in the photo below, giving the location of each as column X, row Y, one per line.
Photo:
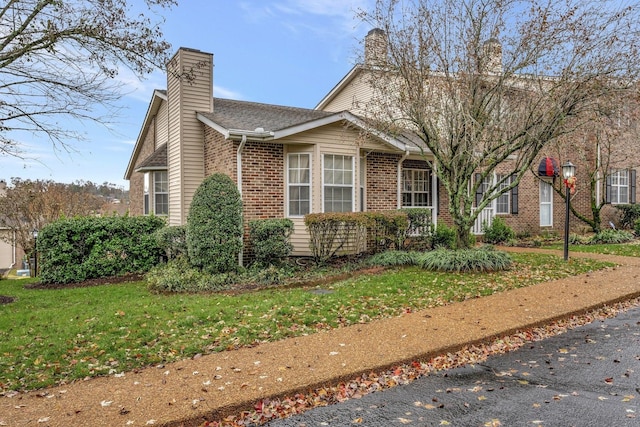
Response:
column 106, row 403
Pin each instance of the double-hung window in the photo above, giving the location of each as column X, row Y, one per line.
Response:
column 503, row 200
column 161, row 193
column 416, row 188
column 621, row 186
column 546, row 204
column 337, row 183
column 156, row 193
column 299, row 184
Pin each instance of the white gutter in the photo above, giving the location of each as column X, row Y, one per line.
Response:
column 399, row 185
column 243, row 141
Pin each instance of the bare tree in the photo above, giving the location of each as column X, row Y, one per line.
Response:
column 486, row 84
column 606, row 141
column 61, row 59
column 30, row 205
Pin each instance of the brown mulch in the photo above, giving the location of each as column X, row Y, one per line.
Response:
column 6, row 300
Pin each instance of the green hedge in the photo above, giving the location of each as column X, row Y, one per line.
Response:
column 74, row 250
column 270, row 240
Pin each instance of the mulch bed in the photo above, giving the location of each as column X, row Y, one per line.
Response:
column 91, row 282
column 6, row 300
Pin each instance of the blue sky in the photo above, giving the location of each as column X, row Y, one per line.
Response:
column 289, row 52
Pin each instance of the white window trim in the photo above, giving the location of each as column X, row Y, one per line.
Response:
column 550, row 203
column 353, row 182
column 617, row 188
column 429, row 192
column 162, row 192
column 146, row 193
column 288, row 183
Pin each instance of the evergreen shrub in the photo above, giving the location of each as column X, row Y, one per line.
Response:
column 611, row 237
column 74, row 250
column 214, row 225
column 270, row 240
column 173, row 240
column 482, row 259
column 629, row 214
column 498, row 232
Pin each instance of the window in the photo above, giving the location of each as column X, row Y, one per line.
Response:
column 621, row 186
column 299, row 184
column 502, row 202
column 145, row 193
column 416, row 188
column 506, row 203
column 546, row 204
column 338, row 183
column 161, row 193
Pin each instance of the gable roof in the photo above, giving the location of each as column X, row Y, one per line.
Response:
column 158, row 97
column 260, row 122
column 156, row 161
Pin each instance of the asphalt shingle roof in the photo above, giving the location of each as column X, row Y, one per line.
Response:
column 156, row 161
column 243, row 115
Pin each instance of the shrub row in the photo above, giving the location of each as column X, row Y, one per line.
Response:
column 74, row 250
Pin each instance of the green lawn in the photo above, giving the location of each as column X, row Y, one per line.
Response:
column 50, row 336
column 623, row 249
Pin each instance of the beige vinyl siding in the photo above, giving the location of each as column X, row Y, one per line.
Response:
column 330, row 139
column 162, row 125
column 186, row 133
column 6, row 249
column 356, row 89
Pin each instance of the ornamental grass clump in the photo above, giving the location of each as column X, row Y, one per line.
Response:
column 483, row 259
column 611, row 236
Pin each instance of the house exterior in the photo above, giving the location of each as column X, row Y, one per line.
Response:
column 288, row 162
column 9, row 252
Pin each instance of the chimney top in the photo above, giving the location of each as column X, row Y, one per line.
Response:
column 375, row 47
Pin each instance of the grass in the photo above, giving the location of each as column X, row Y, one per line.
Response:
column 55, row 336
column 623, row 249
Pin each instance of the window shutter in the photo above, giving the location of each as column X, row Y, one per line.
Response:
column 607, row 190
column 632, row 186
column 479, row 193
column 514, row 197
column 437, row 207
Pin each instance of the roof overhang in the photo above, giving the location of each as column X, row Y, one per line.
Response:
column 400, row 143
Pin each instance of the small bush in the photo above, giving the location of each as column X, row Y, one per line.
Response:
column 331, row 232
column 636, row 227
column 394, row 258
column 576, row 239
column 180, row 277
column 385, row 229
column 629, row 214
column 270, row 240
column 611, row 236
column 442, row 237
column 466, row 260
column 214, row 225
column 498, row 232
column 173, row 241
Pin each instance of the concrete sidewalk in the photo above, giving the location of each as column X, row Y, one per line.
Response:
column 210, row 387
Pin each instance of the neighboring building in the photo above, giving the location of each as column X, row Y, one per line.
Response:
column 288, row 162
column 9, row 255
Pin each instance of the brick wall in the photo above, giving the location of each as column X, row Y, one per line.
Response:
column 136, row 182
column 381, row 179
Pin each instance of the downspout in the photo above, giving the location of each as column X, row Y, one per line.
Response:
column 243, row 141
column 399, row 180
column 15, row 253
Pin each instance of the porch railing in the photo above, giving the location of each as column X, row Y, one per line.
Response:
column 486, row 216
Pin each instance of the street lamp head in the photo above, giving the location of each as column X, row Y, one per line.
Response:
column 568, row 170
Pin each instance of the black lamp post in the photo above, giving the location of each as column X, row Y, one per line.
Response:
column 568, row 172
column 35, row 252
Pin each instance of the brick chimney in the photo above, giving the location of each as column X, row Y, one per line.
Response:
column 491, row 61
column 375, row 48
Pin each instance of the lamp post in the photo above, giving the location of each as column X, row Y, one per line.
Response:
column 35, row 252
column 568, row 172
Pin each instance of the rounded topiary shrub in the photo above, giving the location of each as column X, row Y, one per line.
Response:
column 498, row 232
column 214, row 225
